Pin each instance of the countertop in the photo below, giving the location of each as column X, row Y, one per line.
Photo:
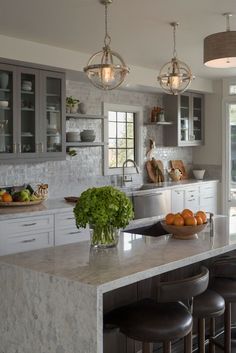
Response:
column 53, row 206
column 136, row 258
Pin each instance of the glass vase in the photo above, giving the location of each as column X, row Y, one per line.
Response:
column 104, row 237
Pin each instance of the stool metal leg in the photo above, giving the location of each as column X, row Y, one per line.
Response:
column 201, row 335
column 146, row 347
column 167, row 347
column 227, row 324
column 212, row 335
column 188, row 344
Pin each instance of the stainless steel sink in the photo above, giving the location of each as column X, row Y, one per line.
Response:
column 153, row 230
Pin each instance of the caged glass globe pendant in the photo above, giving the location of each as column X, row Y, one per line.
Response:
column 175, row 76
column 106, row 69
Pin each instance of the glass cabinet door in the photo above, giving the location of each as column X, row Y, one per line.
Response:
column 197, row 118
column 54, row 114
column 7, row 141
column 29, row 111
column 184, row 118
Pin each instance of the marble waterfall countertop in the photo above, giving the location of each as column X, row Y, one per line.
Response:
column 52, row 299
column 136, row 258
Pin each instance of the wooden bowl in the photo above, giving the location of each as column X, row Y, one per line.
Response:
column 183, row 232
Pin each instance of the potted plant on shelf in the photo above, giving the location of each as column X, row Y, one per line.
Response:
column 106, row 210
column 72, row 104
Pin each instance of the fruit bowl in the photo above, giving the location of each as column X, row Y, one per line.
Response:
column 183, row 232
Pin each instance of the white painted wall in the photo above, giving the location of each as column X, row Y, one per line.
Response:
column 19, row 49
column 211, row 152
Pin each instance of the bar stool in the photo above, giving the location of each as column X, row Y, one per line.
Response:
column 149, row 321
column 224, row 282
column 208, row 305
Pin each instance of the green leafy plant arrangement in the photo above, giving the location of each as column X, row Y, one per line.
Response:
column 71, row 101
column 105, row 209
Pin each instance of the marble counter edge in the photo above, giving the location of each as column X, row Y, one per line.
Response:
column 50, row 207
column 142, row 275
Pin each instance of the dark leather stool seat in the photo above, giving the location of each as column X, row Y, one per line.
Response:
column 224, row 282
column 149, row 321
column 208, row 304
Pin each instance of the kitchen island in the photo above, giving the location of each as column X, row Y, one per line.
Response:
column 51, row 300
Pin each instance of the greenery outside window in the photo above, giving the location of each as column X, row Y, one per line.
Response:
column 124, row 137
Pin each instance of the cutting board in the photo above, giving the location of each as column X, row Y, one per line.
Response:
column 155, row 170
column 178, row 164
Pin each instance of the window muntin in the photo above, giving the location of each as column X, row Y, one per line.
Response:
column 232, row 89
column 121, row 138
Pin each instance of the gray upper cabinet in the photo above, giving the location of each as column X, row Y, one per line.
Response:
column 186, row 113
column 32, row 114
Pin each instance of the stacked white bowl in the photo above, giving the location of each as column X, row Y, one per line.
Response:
column 27, row 86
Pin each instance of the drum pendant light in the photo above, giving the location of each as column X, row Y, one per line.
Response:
column 106, row 69
column 175, row 76
column 220, row 48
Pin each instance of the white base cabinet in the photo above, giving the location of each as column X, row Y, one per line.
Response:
column 66, row 231
column 202, row 197
column 24, row 234
column 36, row 232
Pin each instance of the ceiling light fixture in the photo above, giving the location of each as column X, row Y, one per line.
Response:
column 220, row 48
column 175, row 76
column 106, row 69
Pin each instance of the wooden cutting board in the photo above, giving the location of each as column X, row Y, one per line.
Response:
column 178, row 164
column 155, row 170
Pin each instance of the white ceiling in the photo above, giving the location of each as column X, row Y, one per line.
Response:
column 139, row 29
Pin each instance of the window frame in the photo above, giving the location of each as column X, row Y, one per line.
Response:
column 138, row 138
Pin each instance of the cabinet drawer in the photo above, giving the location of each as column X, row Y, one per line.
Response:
column 192, row 204
column 192, row 194
column 27, row 224
column 177, row 201
column 65, row 220
column 72, row 235
column 208, row 190
column 32, row 241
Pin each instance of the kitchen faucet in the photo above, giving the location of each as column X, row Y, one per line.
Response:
column 124, row 179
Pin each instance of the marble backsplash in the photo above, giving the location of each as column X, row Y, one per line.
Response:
column 73, row 175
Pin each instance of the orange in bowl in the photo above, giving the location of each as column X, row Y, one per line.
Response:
column 203, row 216
column 199, row 220
column 190, row 221
column 170, row 218
column 178, row 220
column 6, row 197
column 187, row 213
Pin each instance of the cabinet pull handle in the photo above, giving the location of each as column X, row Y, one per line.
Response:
column 70, row 218
column 209, row 197
column 41, row 147
column 191, row 200
column 28, row 240
column 19, row 147
column 37, row 147
column 76, row 232
column 29, row 224
column 14, row 148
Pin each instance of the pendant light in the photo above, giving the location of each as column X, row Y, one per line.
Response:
column 220, row 48
column 175, row 76
column 106, row 69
